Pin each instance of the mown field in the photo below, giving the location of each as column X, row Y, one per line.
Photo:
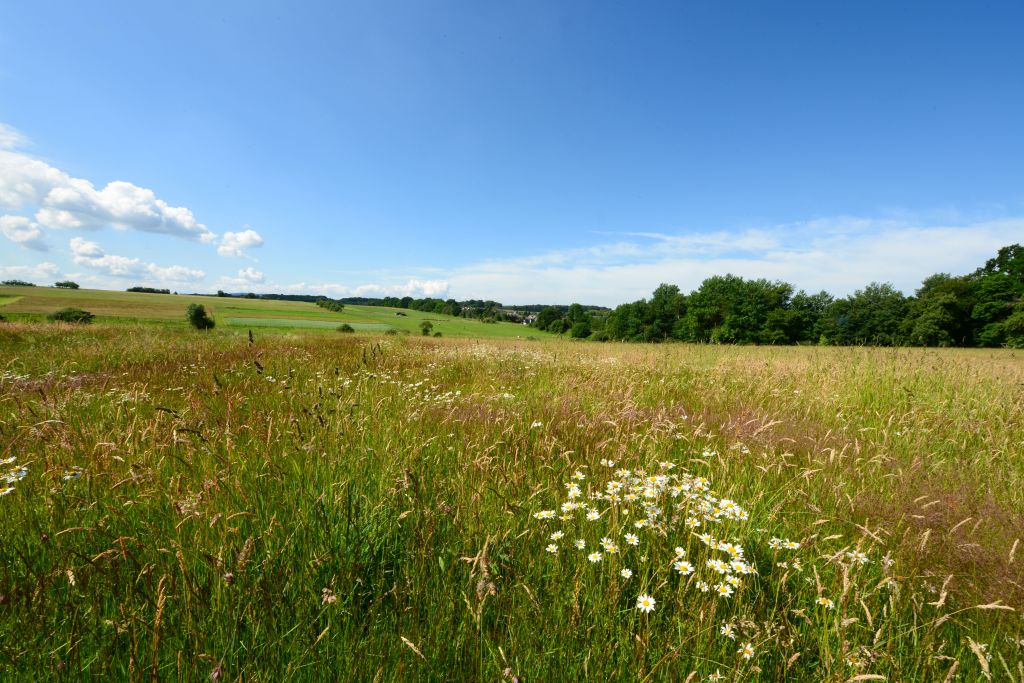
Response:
column 190, row 506
column 34, row 303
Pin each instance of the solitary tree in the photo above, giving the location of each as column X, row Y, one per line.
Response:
column 66, row 284
column 199, row 318
column 427, row 327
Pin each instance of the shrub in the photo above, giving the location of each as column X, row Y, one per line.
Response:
column 345, row 327
column 71, row 315
column 427, row 327
column 437, row 334
column 199, row 318
column 392, row 331
column 17, row 283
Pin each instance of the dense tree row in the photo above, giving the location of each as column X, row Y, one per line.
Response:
column 983, row 308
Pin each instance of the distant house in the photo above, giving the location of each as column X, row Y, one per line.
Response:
column 400, row 314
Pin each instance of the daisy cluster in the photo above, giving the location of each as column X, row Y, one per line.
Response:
column 16, row 474
column 663, row 518
column 659, row 533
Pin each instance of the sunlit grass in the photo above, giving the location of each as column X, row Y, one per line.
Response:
column 345, row 507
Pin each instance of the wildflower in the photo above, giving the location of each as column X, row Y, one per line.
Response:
column 574, row 491
column 858, row 557
column 626, row 573
column 728, row 631
column 734, row 550
column 683, row 567
column 718, row 566
column 680, row 551
column 557, row 535
column 327, row 597
column 791, row 545
column 747, row 650
column 640, row 523
column 578, row 476
column 645, row 603
column 536, row 424
column 593, row 515
column 632, row 539
column 5, row 491
column 73, row 474
column 8, row 461
column 595, row 557
column 707, row 539
column 544, row 514
column 552, row 548
column 580, row 544
column 692, row 522
column 703, row 586
column 826, row 603
column 724, row 590
column 717, row 676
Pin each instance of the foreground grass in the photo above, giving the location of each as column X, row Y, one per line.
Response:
column 366, row 508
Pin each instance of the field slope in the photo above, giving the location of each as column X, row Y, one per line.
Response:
column 33, row 303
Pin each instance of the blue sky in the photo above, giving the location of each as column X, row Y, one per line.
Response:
column 521, row 151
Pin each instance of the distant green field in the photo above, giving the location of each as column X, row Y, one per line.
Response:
column 28, row 303
column 297, row 322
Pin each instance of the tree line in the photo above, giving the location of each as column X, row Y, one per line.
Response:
column 983, row 308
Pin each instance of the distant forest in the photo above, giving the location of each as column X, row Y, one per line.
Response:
column 984, row 308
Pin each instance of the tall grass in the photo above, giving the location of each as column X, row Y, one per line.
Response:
column 364, row 508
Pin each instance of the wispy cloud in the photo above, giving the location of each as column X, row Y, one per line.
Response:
column 413, row 287
column 839, row 255
column 37, row 273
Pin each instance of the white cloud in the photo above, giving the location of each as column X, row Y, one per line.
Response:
column 250, row 275
column 92, row 255
column 11, row 138
column 415, row 288
column 62, row 201
column 40, row 271
column 235, row 243
column 839, row 255
column 23, row 231
column 245, row 279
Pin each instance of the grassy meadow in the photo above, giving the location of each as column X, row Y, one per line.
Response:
column 34, row 303
column 312, row 506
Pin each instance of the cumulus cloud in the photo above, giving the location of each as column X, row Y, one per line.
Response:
column 245, row 279
column 23, row 231
column 235, row 243
column 839, row 255
column 40, row 271
column 250, row 275
column 62, row 201
column 90, row 254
